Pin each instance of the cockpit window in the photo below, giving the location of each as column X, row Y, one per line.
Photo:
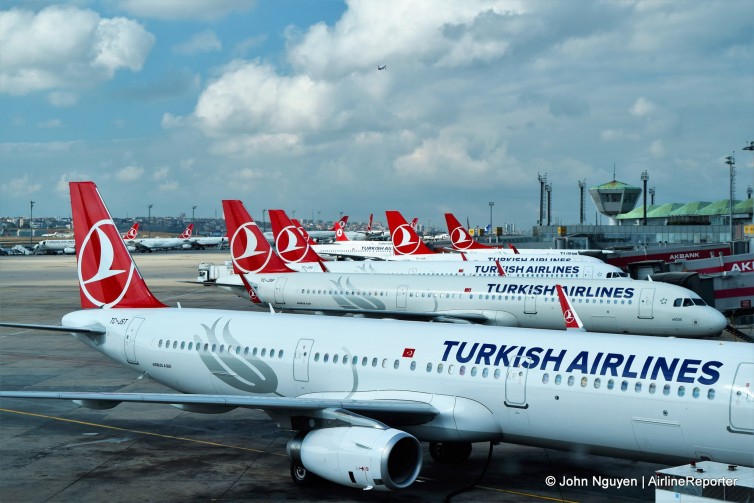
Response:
column 699, row 302
column 677, row 302
column 687, row 302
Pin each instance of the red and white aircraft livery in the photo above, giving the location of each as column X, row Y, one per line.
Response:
column 299, row 255
column 633, row 307
column 363, row 393
column 153, row 244
column 463, row 242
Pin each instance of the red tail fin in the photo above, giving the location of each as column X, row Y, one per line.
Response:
column 289, row 242
column 340, row 229
column 515, row 250
column 132, row 232
column 302, row 231
column 369, row 226
column 500, row 269
column 460, row 237
column 187, row 233
column 249, row 249
column 405, row 239
column 108, row 276
column 572, row 320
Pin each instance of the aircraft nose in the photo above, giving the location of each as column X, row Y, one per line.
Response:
column 717, row 321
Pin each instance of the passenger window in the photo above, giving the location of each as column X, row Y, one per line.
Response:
column 610, row 384
column 364, row 361
column 545, row 378
column 597, row 383
column 439, row 368
column 583, row 382
column 695, row 393
column 374, row 362
column 652, row 388
column 624, row 385
column 666, row 389
column 264, row 352
column 571, row 380
column 681, row 390
column 637, row 387
column 396, row 364
column 711, row 394
column 451, row 369
column 429, row 367
column 558, row 379
column 485, row 372
column 334, row 358
column 316, row 357
column 497, row 373
column 413, row 365
column 384, row 363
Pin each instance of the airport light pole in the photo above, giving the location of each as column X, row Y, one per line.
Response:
column 193, row 212
column 149, row 219
column 750, row 148
column 644, row 178
column 731, row 162
column 31, row 222
column 491, row 203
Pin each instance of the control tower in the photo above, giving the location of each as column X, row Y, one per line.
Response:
column 614, row 198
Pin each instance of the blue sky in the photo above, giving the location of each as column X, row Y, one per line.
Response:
column 179, row 103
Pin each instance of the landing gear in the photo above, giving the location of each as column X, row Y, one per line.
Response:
column 300, row 475
column 450, row 452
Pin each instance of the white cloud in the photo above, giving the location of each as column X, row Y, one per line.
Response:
column 22, row 185
column 657, row 149
column 62, row 99
column 129, row 174
column 161, row 173
column 184, row 9
column 205, row 41
column 642, row 107
column 63, row 47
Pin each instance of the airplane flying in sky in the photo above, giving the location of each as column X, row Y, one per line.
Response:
column 155, row 244
column 361, row 394
column 299, row 255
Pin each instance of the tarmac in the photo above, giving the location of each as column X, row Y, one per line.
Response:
column 57, row 451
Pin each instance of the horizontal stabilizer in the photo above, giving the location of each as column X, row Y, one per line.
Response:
column 94, row 330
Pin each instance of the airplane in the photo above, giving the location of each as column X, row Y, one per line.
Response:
column 68, row 246
column 383, row 67
column 320, row 236
column 463, row 241
column 300, row 256
column 148, row 245
column 628, row 306
column 409, row 246
column 362, row 394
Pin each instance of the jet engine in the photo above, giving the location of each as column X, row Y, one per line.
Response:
column 186, row 246
column 366, row 458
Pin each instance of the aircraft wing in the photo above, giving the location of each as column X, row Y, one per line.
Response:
column 397, row 411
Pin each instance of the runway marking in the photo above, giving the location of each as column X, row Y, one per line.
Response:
column 139, row 432
column 530, row 495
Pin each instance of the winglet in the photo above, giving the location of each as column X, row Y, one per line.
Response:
column 460, row 237
column 405, row 239
column 249, row 249
column 571, row 318
column 500, row 270
column 290, row 243
column 108, row 276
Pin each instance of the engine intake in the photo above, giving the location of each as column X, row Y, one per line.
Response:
column 366, row 458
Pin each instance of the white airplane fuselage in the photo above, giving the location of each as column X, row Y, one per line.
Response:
column 614, row 306
column 662, row 399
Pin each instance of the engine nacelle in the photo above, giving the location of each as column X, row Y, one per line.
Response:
column 366, row 458
column 186, row 246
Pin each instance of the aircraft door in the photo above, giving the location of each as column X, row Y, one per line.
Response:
column 588, row 271
column 280, row 290
column 400, row 300
column 646, row 298
column 742, row 399
column 301, row 360
column 515, row 386
column 530, row 304
column 130, row 339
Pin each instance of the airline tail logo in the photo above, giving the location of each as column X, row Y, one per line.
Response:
column 131, row 234
column 402, row 243
column 104, row 276
column 248, row 254
column 187, row 233
column 291, row 245
column 460, row 238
